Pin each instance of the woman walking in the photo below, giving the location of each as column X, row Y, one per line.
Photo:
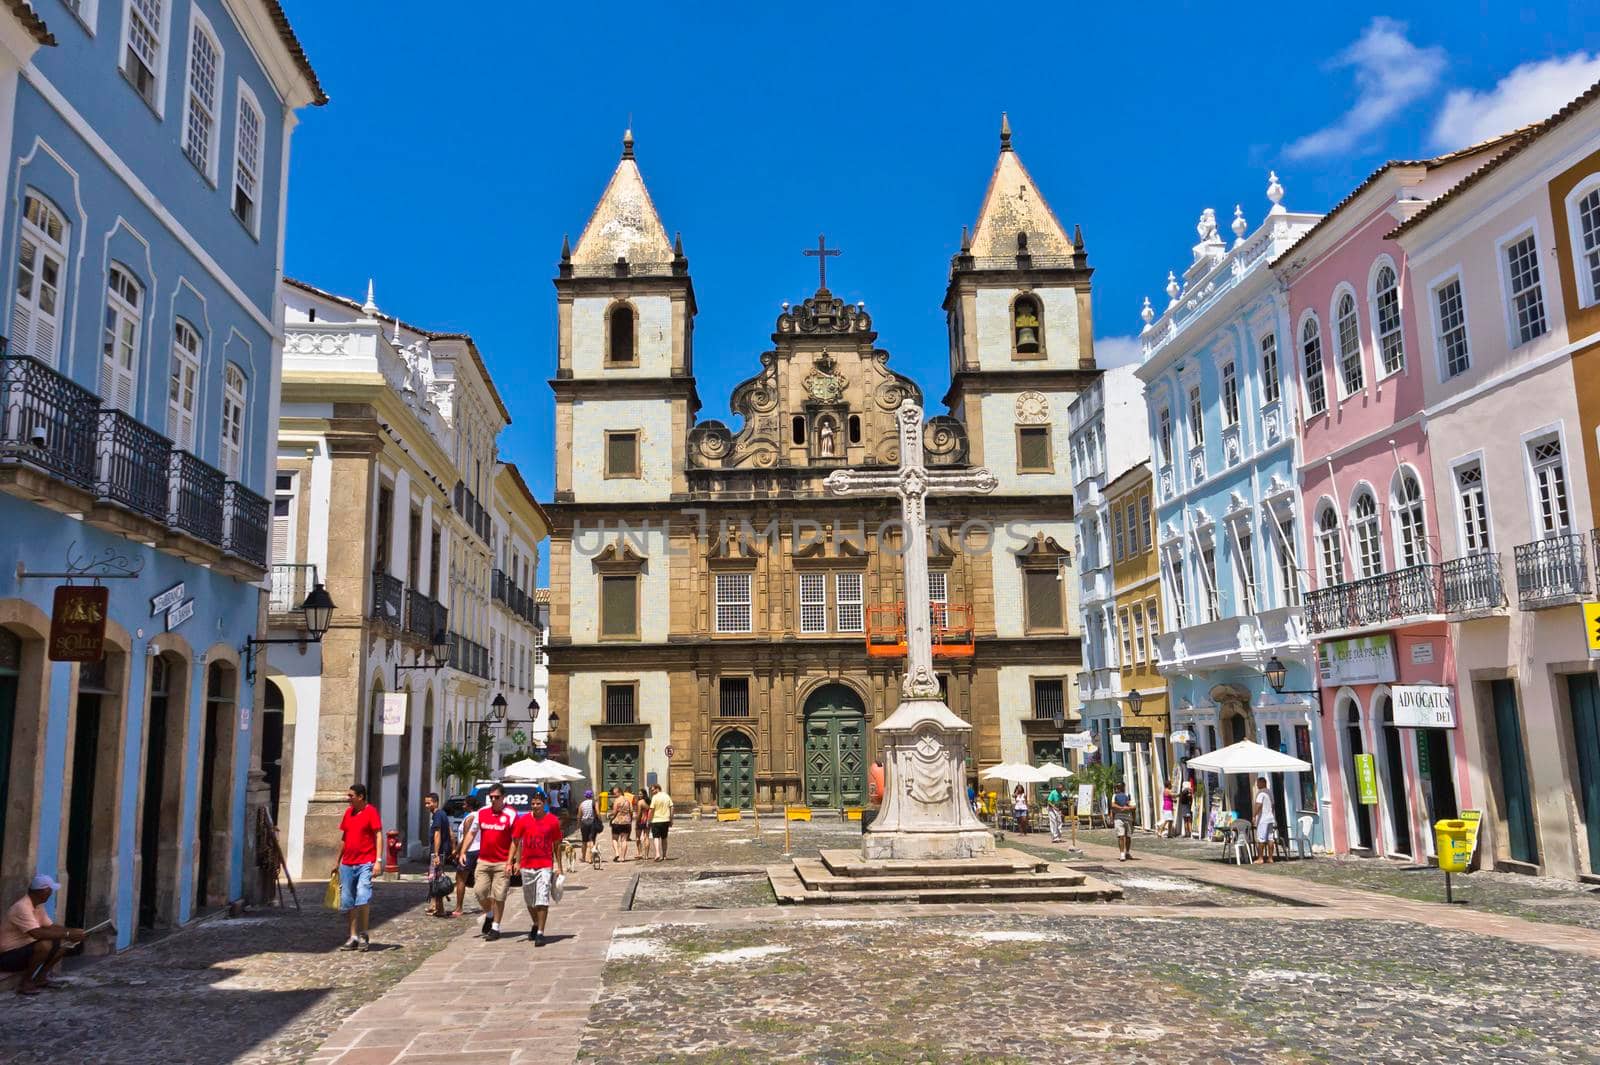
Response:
column 641, row 824
column 1019, row 808
column 589, row 826
column 1167, row 826
column 621, row 824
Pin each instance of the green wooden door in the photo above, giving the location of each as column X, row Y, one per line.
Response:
column 1046, row 751
column 1583, row 691
column 619, row 768
column 1514, row 773
column 736, row 772
column 836, row 748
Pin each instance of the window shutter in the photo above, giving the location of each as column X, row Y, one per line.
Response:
column 1035, row 448
column 1044, row 599
column 623, row 454
column 618, row 606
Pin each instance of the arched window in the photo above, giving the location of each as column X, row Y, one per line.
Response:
column 622, row 347
column 1349, row 331
column 1026, row 329
column 1328, row 546
column 119, row 352
column 1311, row 349
column 41, row 253
column 1368, row 536
column 1386, row 300
column 233, row 397
column 797, row 429
column 183, row 387
column 854, row 424
column 1411, row 528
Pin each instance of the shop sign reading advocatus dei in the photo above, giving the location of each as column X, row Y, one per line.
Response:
column 1423, row 706
column 78, row 623
column 1363, row 660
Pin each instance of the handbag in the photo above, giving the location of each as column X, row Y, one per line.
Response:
column 439, row 886
column 330, row 897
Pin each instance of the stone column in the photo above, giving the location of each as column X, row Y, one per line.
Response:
column 343, row 692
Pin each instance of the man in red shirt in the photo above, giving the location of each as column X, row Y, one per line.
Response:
column 538, row 852
column 492, row 830
column 360, row 828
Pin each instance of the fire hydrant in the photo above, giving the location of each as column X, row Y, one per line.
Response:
column 392, row 841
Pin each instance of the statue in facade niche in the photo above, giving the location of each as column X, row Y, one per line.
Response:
column 825, row 438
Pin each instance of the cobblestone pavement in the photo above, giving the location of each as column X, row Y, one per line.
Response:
column 707, row 843
column 1085, row 988
column 266, row 987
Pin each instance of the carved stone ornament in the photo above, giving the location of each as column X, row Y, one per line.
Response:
column 831, row 315
column 1033, row 409
column 823, row 383
column 929, row 780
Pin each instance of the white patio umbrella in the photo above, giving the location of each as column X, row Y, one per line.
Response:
column 1016, row 773
column 1056, row 770
column 1247, row 756
column 547, row 771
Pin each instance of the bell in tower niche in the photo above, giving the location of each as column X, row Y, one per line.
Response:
column 1025, row 325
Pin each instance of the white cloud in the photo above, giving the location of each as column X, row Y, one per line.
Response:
column 1529, row 93
column 1390, row 74
column 1115, row 351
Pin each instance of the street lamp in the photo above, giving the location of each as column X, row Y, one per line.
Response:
column 1277, row 673
column 1134, row 698
column 318, row 611
column 439, row 648
column 497, row 708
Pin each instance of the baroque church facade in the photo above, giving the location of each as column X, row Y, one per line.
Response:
column 713, row 612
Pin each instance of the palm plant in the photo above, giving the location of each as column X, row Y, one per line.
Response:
column 462, row 766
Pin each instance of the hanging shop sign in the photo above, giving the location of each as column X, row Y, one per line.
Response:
column 78, row 623
column 391, row 719
column 1362, row 660
column 1136, row 734
column 1591, row 627
column 168, row 599
column 179, row 614
column 1424, row 706
column 1077, row 741
column 1366, row 779
column 1180, row 737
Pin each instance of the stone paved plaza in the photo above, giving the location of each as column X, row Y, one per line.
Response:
column 690, row 960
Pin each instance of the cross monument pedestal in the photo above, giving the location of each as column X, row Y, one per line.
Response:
column 925, row 813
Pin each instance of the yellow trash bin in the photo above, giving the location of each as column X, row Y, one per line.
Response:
column 604, row 800
column 1453, row 840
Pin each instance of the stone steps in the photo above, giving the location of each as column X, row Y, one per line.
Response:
column 816, row 876
column 790, row 889
column 1005, row 862
column 1006, row 876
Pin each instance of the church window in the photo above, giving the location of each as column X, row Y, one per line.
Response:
column 855, row 428
column 797, row 429
column 622, row 453
column 619, row 605
column 813, row 602
column 1033, row 449
column 621, row 348
column 733, row 697
column 733, row 602
column 621, row 700
column 1049, row 699
column 847, row 601
column 1042, row 590
column 1027, row 332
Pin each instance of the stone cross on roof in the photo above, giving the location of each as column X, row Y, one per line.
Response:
column 821, row 253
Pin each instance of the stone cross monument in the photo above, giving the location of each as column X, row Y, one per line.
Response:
column 925, row 813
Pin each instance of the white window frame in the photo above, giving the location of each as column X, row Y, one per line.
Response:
column 1340, row 355
column 163, row 37
column 1441, row 358
column 1375, row 315
column 848, row 601
column 1173, row 584
column 1464, row 526
column 1152, row 629
column 1409, row 520
column 1245, row 583
column 1164, row 434
column 1206, row 563
column 1230, row 394
column 122, row 320
column 1359, row 526
column 1287, row 555
column 85, row 11
column 184, row 373
column 1530, row 441
column 247, row 99
column 1267, row 355
column 25, row 330
column 290, row 497
column 1330, row 544
column 231, row 440
column 1529, row 232
column 733, row 610
column 1197, row 416
column 1588, row 282
column 1306, row 376
column 1136, row 616
column 813, row 602
column 1146, row 521
column 200, row 26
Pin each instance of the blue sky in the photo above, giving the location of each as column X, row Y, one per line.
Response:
column 458, row 148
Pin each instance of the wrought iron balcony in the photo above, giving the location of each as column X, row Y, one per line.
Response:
column 46, row 421
column 194, row 502
column 469, row 657
column 1472, row 585
column 1416, row 591
column 388, row 599
column 290, row 583
column 132, row 465
column 498, row 585
column 1552, row 572
column 244, row 528
column 425, row 616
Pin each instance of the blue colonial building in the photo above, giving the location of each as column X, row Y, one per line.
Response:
column 1219, row 378
column 146, row 150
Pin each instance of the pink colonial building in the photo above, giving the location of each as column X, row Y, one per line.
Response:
column 1380, row 602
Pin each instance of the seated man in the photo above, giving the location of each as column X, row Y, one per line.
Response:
column 30, row 943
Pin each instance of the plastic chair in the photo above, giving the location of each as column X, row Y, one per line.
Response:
column 1306, row 824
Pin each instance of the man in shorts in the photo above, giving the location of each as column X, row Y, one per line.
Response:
column 660, row 821
column 30, row 943
column 466, row 857
column 536, row 851
column 1122, row 820
column 492, row 831
column 359, row 830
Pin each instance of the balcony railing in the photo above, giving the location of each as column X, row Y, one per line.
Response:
column 244, row 528
column 46, row 421
column 1415, row 591
column 425, row 616
column 194, row 503
column 1472, row 585
column 290, row 583
column 388, row 599
column 469, row 657
column 133, row 464
column 1552, row 572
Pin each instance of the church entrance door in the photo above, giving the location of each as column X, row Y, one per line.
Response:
column 836, row 748
column 736, row 771
column 619, row 768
